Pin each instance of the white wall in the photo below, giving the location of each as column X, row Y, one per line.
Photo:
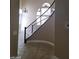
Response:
column 32, row 7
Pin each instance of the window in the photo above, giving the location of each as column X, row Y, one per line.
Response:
column 40, row 11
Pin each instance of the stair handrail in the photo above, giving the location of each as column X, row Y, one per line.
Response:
column 41, row 15
column 35, row 21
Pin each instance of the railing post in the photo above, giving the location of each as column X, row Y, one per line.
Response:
column 32, row 29
column 25, row 35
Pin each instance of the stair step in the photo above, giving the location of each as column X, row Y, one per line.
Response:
column 18, row 57
column 40, row 41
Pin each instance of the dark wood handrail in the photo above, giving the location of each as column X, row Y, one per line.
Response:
column 25, row 40
column 41, row 25
column 42, row 14
column 40, row 21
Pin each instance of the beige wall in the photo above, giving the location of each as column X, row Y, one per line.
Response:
column 14, row 21
column 45, row 32
column 61, row 32
column 32, row 7
column 20, row 3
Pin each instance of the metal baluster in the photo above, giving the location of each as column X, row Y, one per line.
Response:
column 25, row 35
column 32, row 29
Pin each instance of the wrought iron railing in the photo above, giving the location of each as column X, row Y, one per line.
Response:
column 36, row 24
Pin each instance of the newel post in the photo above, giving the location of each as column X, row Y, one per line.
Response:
column 25, row 35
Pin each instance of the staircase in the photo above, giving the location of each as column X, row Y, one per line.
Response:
column 40, row 39
column 33, row 28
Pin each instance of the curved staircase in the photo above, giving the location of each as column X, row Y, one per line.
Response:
column 40, row 40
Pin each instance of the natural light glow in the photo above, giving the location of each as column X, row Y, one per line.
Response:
column 40, row 11
column 20, row 11
column 46, row 4
column 53, row 9
column 44, row 9
column 44, row 18
column 23, row 21
column 38, row 21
